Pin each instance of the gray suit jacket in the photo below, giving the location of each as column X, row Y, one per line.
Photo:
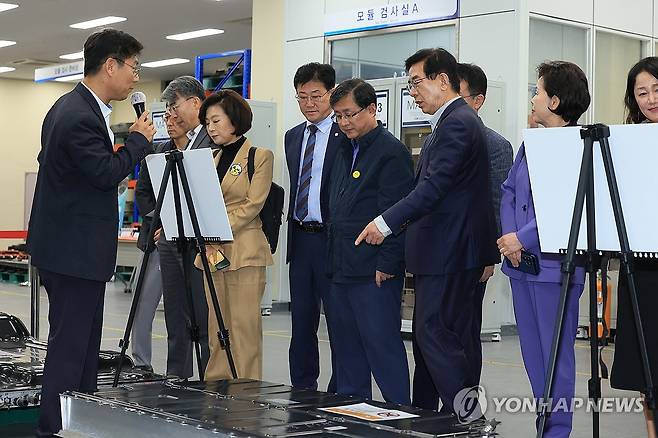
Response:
column 501, row 157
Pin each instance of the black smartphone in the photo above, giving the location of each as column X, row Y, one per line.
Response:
column 529, row 263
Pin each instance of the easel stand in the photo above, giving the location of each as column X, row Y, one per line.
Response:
column 585, row 192
column 174, row 167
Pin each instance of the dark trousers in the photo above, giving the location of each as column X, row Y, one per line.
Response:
column 177, row 314
column 75, row 317
column 309, row 287
column 446, row 337
column 367, row 341
column 425, row 394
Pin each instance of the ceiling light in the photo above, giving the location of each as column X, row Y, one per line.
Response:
column 71, row 78
column 76, row 55
column 4, row 43
column 97, row 22
column 6, row 69
column 195, row 34
column 165, row 62
column 7, row 6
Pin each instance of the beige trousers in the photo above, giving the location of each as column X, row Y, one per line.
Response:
column 239, row 293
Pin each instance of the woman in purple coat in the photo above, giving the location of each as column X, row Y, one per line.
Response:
column 561, row 98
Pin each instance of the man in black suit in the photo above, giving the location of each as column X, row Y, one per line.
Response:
column 72, row 236
column 450, row 228
column 473, row 88
column 373, row 171
column 310, row 151
column 183, row 97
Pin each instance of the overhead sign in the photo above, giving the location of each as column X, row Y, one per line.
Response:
column 59, row 71
column 382, row 107
column 395, row 13
column 412, row 115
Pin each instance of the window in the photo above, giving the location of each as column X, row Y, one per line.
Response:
column 382, row 56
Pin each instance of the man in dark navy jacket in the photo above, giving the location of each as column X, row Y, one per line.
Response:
column 450, row 228
column 310, row 151
column 373, row 171
column 73, row 225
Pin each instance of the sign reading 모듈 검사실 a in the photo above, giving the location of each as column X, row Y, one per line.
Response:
column 395, row 13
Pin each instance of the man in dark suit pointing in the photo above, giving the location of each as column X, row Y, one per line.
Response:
column 450, row 227
column 72, row 236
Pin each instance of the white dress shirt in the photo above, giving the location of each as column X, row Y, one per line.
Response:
column 106, row 110
column 192, row 135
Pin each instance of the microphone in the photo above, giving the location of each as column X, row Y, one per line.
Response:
column 138, row 100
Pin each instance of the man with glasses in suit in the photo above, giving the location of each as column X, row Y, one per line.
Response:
column 310, row 151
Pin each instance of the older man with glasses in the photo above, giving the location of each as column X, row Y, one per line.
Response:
column 183, row 97
column 450, row 228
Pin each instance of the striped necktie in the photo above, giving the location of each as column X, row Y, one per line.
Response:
column 301, row 207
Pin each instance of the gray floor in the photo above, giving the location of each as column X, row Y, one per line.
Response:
column 503, row 374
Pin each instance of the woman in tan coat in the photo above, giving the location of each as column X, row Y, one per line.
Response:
column 227, row 117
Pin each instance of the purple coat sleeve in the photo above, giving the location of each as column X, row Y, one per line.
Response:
column 515, row 192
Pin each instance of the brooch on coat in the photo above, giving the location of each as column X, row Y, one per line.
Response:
column 235, row 169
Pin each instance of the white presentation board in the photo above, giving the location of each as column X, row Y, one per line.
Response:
column 206, row 195
column 554, row 156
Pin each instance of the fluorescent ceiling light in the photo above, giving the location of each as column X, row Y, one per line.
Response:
column 6, row 69
column 71, row 78
column 76, row 55
column 97, row 22
column 7, row 6
column 195, row 34
column 4, row 43
column 165, row 62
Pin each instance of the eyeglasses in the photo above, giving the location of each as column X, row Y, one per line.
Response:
column 313, row 98
column 173, row 109
column 347, row 117
column 471, row 95
column 135, row 68
column 413, row 84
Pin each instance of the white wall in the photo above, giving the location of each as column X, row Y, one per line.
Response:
column 576, row 10
column 635, row 16
column 23, row 106
column 478, row 7
column 478, row 45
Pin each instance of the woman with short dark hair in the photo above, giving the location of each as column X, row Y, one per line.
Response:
column 240, row 286
column 562, row 96
column 641, row 107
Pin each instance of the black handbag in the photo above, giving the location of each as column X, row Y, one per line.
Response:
column 271, row 214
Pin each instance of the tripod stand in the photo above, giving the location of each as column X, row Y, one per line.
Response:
column 174, row 167
column 585, row 193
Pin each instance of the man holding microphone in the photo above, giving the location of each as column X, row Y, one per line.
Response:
column 73, row 225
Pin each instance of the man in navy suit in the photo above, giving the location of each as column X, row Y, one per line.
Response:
column 73, row 225
column 310, row 151
column 450, row 226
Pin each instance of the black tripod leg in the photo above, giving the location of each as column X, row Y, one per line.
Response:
column 150, row 247
column 183, row 249
column 627, row 266
column 594, row 384
column 568, row 268
column 223, row 333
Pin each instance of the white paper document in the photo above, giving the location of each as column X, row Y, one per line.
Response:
column 206, row 196
column 554, row 156
column 367, row 412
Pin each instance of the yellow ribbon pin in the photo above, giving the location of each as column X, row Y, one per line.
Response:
column 235, row 170
column 356, row 174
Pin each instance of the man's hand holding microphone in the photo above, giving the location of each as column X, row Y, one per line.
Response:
column 143, row 124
